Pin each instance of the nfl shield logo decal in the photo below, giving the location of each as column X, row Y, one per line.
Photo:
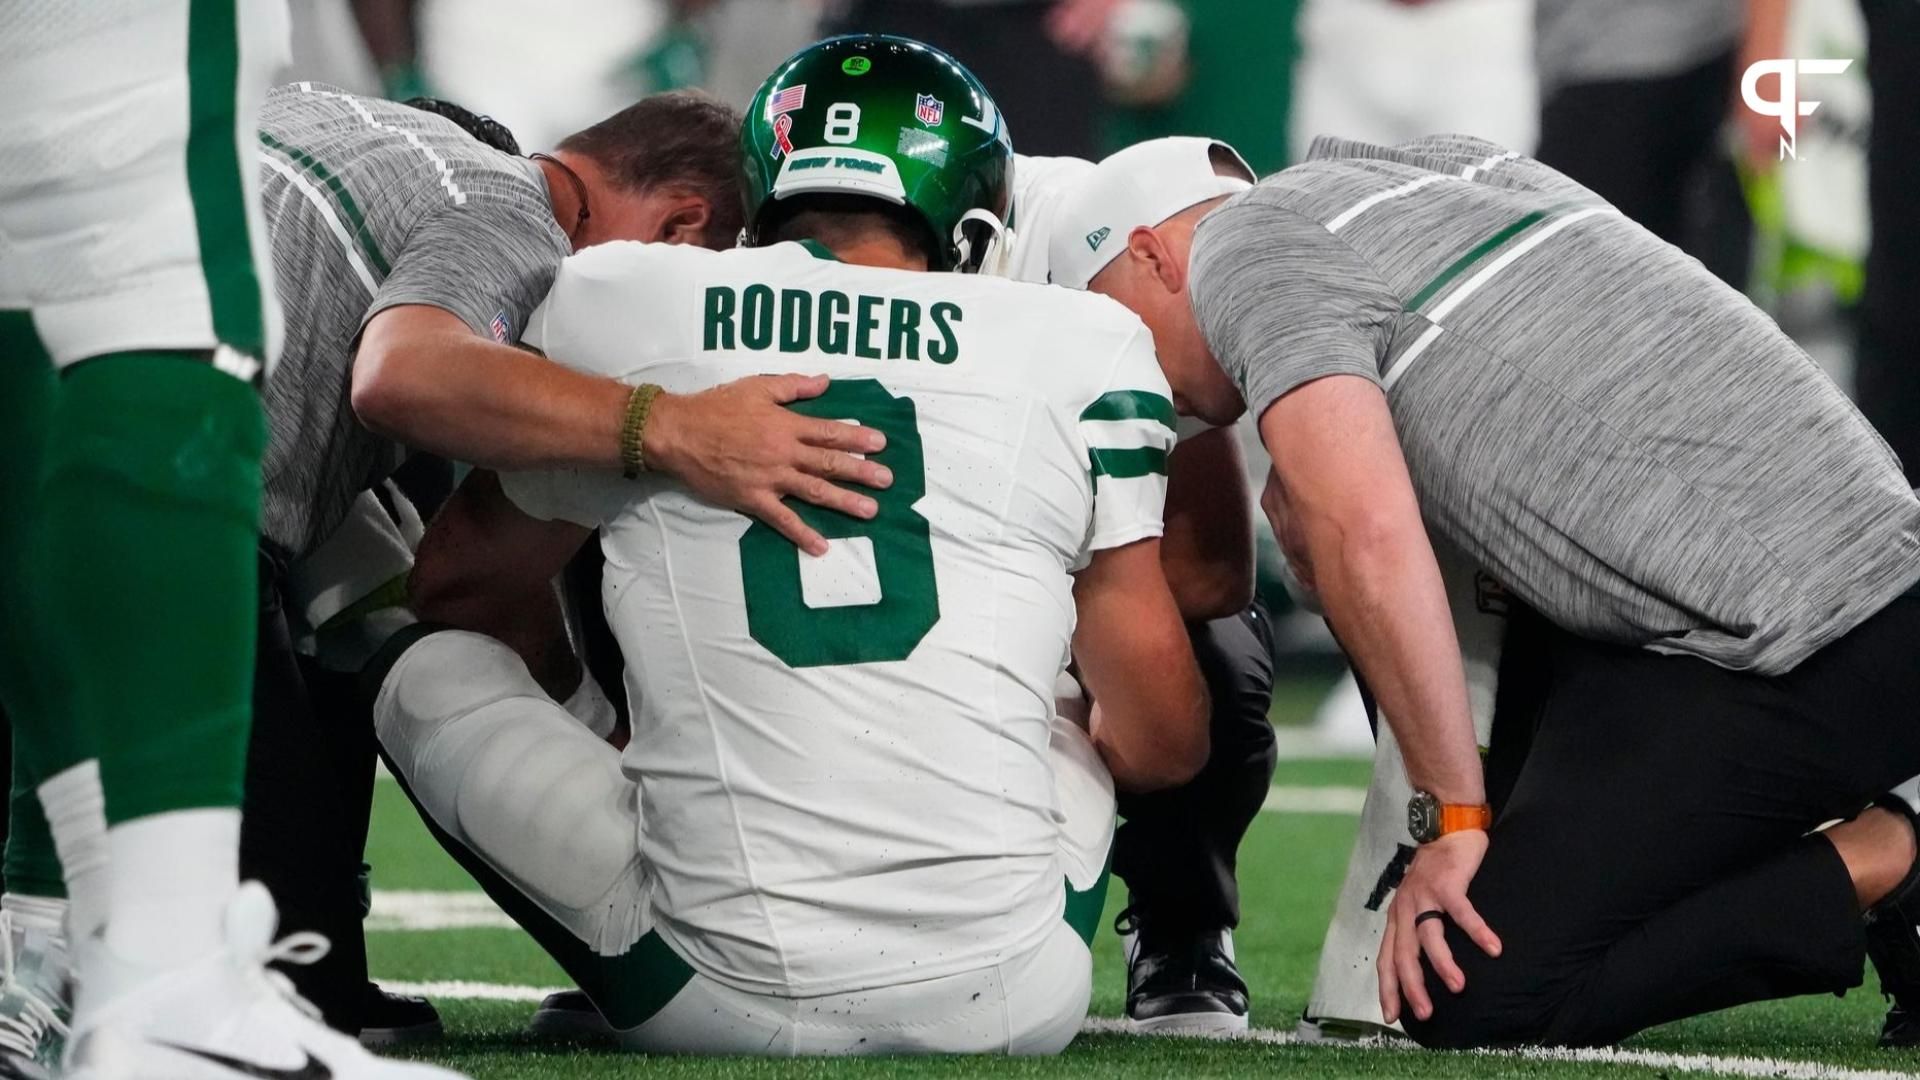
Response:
column 928, row 109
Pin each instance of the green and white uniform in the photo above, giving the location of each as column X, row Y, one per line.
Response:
column 847, row 780
column 128, row 205
column 129, row 245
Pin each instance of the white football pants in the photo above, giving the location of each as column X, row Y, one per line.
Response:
column 538, row 808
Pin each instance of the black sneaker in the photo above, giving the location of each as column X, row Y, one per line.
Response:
column 571, row 1015
column 1181, row 981
column 397, row 1020
column 1893, row 944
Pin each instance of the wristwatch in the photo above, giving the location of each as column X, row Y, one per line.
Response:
column 1429, row 819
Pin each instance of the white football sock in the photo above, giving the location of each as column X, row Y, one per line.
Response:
column 173, row 876
column 77, row 815
column 47, row 914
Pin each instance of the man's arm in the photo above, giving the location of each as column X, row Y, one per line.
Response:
column 486, row 566
column 1351, row 503
column 1151, row 708
column 422, row 377
column 1208, row 547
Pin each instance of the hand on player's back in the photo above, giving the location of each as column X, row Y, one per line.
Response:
column 738, row 445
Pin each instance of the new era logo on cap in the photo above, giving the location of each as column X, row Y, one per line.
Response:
column 1143, row 185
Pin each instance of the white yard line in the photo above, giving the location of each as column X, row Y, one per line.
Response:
column 397, row 910
column 470, row 991
column 1709, row 1064
column 1290, row 799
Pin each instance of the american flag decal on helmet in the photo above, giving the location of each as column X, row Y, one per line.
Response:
column 792, row 99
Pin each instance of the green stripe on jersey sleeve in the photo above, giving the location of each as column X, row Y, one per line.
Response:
column 1128, row 464
column 1131, row 405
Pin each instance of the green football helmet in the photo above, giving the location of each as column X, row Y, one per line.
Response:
column 887, row 118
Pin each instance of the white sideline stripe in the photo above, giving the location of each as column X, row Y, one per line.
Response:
column 1759, row 1068
column 1645, row 1059
column 409, row 910
column 1314, row 800
column 470, row 991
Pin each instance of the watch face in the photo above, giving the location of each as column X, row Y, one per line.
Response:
column 1423, row 817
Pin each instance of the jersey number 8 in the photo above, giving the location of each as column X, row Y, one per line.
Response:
column 889, row 629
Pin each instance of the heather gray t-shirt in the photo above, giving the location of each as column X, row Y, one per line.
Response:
column 369, row 205
column 1628, row 444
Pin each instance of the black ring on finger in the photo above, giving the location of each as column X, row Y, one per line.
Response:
column 1426, row 915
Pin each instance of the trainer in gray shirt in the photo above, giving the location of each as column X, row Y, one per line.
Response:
column 370, row 205
column 1626, row 442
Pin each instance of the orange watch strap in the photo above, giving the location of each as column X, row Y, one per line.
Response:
column 1458, row 817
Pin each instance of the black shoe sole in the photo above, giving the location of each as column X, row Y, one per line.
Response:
column 380, row 1038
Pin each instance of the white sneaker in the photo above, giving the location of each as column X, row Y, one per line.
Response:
column 226, row 1017
column 36, row 999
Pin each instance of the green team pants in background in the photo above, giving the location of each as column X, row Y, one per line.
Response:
column 133, row 332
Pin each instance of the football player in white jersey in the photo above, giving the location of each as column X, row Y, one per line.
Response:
column 849, row 819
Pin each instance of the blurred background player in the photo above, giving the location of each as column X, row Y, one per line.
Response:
column 1636, row 98
column 1887, row 379
column 1037, row 55
column 132, row 469
column 901, row 841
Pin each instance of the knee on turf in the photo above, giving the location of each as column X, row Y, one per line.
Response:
column 1501, row 1005
column 511, row 776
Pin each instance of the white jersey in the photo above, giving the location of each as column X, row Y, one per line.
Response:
column 842, row 761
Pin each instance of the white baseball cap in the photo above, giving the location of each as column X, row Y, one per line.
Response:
column 1145, row 184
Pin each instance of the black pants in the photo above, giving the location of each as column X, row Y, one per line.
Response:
column 1651, row 148
column 1051, row 100
column 1178, row 849
column 1649, row 858
column 309, row 795
column 1887, row 376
